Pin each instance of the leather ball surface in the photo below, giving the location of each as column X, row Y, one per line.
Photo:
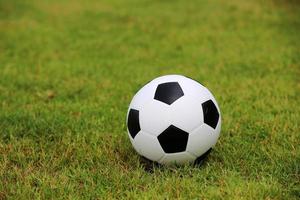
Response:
column 173, row 120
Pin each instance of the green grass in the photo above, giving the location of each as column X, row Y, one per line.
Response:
column 68, row 70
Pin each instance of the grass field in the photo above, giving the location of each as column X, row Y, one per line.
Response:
column 68, row 70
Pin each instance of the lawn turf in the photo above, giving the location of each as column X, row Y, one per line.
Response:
column 68, row 70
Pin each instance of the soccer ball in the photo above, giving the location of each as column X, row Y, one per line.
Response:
column 173, row 120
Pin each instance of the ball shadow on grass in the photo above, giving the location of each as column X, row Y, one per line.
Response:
column 150, row 166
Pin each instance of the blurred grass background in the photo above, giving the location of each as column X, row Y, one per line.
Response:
column 68, row 70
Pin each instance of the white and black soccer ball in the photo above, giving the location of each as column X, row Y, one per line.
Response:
column 173, row 119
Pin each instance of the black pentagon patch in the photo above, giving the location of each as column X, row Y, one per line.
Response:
column 173, row 140
column 210, row 113
column 202, row 158
column 133, row 123
column 168, row 92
